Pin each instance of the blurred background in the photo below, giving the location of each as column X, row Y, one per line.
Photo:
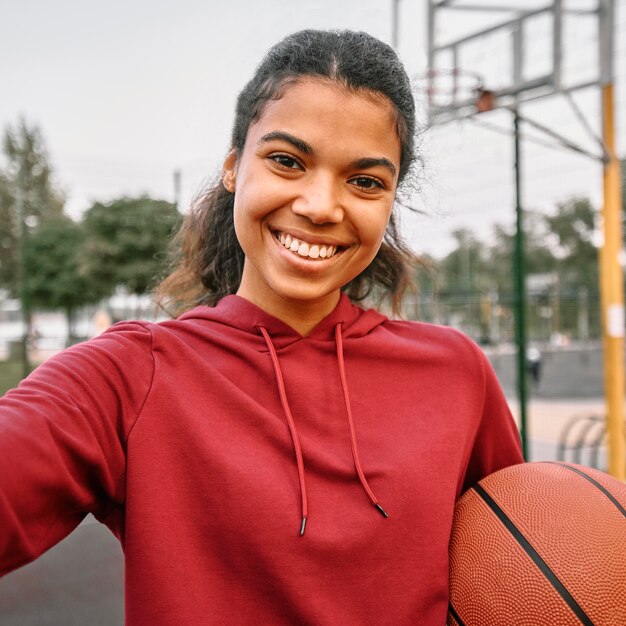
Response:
column 114, row 115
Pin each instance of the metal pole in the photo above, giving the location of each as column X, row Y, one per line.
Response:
column 612, row 295
column 557, row 43
column 611, row 271
column 395, row 11
column 21, row 273
column 430, row 17
column 177, row 179
column 519, row 272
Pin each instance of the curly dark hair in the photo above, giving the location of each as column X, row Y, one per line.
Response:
column 206, row 258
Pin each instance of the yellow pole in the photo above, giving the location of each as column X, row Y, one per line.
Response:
column 612, row 294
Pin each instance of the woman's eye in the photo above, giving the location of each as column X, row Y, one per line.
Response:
column 286, row 161
column 367, row 183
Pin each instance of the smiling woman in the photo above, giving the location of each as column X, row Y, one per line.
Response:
column 275, row 454
column 325, row 178
column 320, row 74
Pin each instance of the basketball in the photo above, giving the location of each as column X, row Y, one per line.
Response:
column 537, row 544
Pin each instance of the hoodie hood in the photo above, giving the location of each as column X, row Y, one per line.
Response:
column 241, row 314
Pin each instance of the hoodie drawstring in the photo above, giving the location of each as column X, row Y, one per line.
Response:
column 292, row 426
column 294, row 432
column 346, row 397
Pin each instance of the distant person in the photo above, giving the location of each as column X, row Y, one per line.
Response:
column 533, row 363
column 275, row 454
column 33, row 337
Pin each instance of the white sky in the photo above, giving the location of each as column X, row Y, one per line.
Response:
column 127, row 92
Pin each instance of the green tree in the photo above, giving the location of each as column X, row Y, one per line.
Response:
column 571, row 235
column 126, row 242
column 476, row 278
column 572, row 228
column 53, row 279
column 538, row 258
column 27, row 195
column 466, row 283
column 463, row 270
column 539, row 265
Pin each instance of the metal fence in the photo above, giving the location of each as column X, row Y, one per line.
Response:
column 489, row 318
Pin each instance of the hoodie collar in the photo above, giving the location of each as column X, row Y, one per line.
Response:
column 239, row 313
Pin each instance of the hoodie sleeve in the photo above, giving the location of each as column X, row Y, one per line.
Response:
column 62, row 440
column 497, row 441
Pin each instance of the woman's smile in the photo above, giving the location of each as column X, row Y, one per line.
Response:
column 308, row 245
column 306, row 249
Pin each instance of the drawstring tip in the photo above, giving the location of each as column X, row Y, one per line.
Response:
column 303, row 526
column 382, row 511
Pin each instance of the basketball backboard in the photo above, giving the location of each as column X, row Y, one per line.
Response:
column 509, row 51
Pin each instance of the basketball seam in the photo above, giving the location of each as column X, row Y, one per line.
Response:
column 603, row 489
column 455, row 615
column 534, row 556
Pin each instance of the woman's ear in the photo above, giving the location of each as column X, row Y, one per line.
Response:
column 229, row 171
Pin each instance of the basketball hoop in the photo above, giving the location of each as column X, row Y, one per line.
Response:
column 485, row 100
column 449, row 90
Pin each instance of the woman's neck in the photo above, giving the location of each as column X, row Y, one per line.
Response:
column 303, row 317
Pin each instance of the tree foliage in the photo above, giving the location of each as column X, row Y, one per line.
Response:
column 53, row 262
column 463, row 270
column 538, row 256
column 126, row 242
column 27, row 195
column 559, row 255
column 572, row 227
column 53, row 276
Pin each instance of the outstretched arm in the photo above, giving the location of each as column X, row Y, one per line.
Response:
column 62, row 440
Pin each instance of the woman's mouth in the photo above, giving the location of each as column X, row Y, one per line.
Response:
column 304, row 248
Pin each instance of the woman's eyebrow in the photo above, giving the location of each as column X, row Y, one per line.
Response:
column 367, row 162
column 280, row 135
column 305, row 148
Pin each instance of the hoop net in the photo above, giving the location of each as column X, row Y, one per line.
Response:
column 446, row 90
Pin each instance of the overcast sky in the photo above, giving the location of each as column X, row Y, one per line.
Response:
column 127, row 92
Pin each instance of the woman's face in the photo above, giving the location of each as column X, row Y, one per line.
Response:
column 314, row 189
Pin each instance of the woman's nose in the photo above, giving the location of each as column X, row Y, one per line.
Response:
column 319, row 201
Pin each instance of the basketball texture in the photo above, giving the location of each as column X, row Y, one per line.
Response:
column 540, row 544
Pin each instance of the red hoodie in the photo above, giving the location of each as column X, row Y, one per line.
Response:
column 202, row 442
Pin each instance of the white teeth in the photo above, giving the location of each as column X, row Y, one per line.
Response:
column 304, row 249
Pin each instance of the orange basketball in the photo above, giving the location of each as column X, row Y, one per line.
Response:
column 540, row 544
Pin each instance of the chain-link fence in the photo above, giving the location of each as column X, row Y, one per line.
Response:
column 489, row 318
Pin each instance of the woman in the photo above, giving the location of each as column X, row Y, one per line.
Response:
column 280, row 456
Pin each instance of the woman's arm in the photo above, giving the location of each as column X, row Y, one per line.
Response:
column 63, row 436
column 497, row 442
